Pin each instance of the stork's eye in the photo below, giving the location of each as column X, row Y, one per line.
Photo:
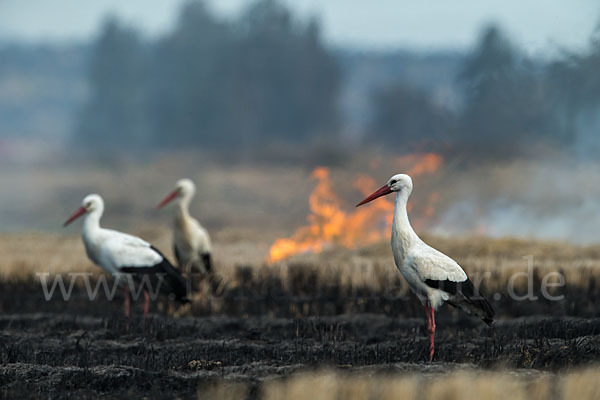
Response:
column 393, row 182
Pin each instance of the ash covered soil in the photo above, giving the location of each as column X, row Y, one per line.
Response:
column 83, row 349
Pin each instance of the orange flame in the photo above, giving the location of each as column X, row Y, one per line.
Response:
column 329, row 225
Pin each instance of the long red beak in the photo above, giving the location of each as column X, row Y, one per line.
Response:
column 382, row 191
column 167, row 199
column 80, row 211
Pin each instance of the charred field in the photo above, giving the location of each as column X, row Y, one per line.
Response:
column 57, row 355
column 258, row 326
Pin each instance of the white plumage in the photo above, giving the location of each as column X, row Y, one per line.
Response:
column 114, row 250
column 433, row 276
column 119, row 253
column 191, row 242
column 424, row 263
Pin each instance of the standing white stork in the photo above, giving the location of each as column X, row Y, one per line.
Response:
column 191, row 243
column 121, row 255
column 433, row 276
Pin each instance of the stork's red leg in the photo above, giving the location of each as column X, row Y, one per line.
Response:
column 428, row 316
column 127, row 307
column 431, row 329
column 146, row 303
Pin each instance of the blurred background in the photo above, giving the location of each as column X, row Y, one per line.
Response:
column 494, row 109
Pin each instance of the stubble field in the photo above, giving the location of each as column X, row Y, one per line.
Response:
column 334, row 325
column 337, row 324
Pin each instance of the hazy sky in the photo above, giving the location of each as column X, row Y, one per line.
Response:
column 538, row 25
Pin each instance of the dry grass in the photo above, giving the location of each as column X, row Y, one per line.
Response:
column 23, row 255
column 330, row 385
column 225, row 391
column 500, row 259
column 246, row 207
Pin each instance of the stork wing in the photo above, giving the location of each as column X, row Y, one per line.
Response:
column 439, row 271
column 199, row 237
column 174, row 281
column 122, row 250
column 431, row 264
column 132, row 255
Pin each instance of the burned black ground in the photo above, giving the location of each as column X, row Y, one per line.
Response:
column 80, row 348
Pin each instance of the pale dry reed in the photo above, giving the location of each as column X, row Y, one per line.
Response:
column 372, row 267
column 455, row 385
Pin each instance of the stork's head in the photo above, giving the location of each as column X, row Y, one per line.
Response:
column 400, row 183
column 91, row 203
column 184, row 188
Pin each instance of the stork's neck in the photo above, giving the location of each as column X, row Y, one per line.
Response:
column 91, row 234
column 403, row 234
column 183, row 207
column 91, row 223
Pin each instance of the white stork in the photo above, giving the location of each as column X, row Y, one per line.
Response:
column 191, row 243
column 121, row 255
column 434, row 277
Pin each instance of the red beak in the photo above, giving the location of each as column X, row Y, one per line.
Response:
column 382, row 191
column 167, row 199
column 80, row 211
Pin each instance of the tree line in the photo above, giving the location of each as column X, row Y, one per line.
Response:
column 267, row 78
column 209, row 83
column 512, row 106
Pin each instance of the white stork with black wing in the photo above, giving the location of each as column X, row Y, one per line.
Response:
column 433, row 276
column 125, row 256
column 191, row 243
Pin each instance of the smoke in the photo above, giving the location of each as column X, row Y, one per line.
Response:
column 547, row 199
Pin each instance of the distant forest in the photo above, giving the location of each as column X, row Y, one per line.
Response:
column 267, row 78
